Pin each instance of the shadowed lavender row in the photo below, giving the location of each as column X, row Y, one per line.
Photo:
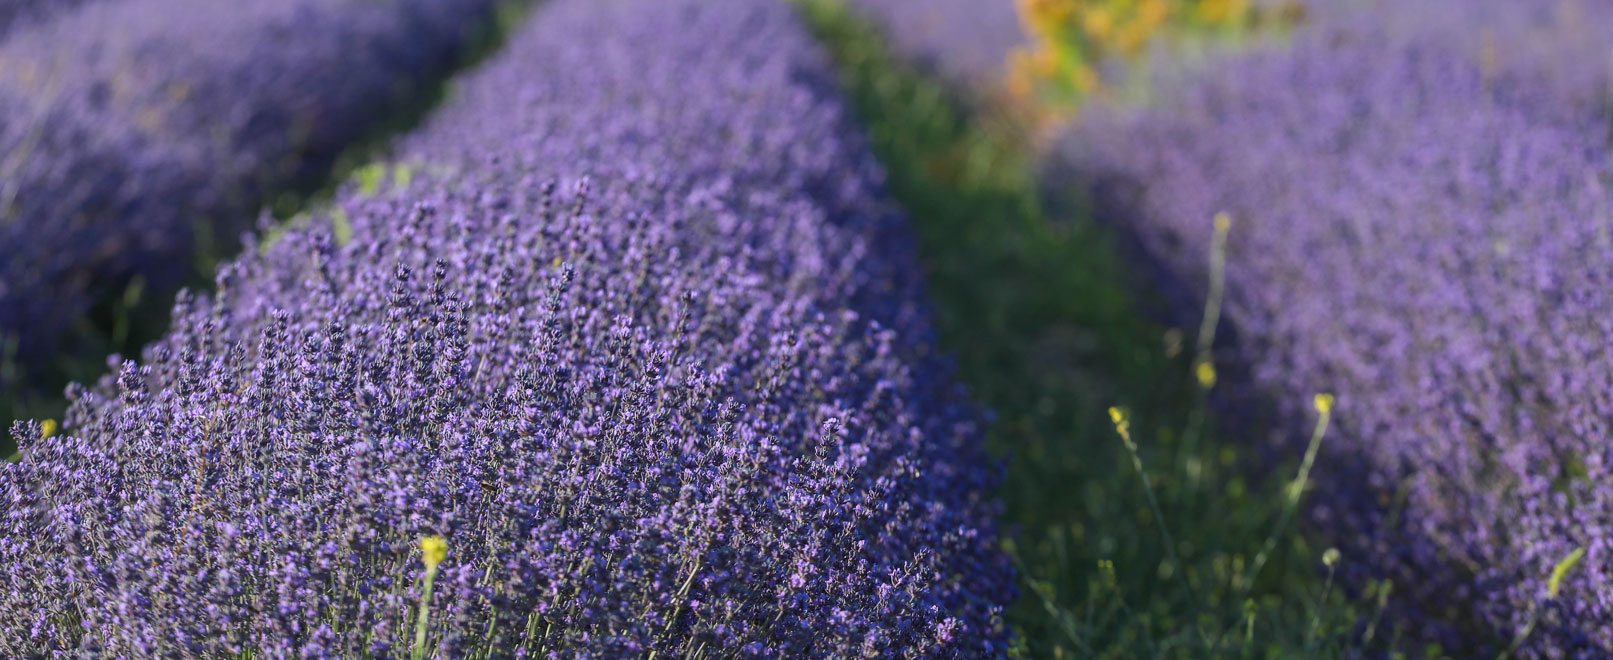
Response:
column 133, row 131
column 1422, row 226
column 641, row 341
column 19, row 14
column 967, row 41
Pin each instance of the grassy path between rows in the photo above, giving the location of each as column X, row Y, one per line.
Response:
column 1049, row 334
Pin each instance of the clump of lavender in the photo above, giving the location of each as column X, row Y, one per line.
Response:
column 640, row 345
column 1421, row 224
column 131, row 132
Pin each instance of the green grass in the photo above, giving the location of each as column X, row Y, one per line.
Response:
column 1049, row 334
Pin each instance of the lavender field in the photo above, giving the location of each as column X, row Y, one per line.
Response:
column 806, row 329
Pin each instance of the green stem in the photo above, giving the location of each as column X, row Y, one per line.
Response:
column 1159, row 518
column 419, row 649
column 1296, row 489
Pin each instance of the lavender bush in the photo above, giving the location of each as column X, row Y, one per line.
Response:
column 639, row 343
column 1421, row 225
column 132, row 131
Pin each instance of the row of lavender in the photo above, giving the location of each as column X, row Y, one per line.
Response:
column 19, row 14
column 1422, row 226
column 968, row 41
column 132, row 131
column 641, row 344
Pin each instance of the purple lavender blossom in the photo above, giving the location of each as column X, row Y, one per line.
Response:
column 641, row 341
column 132, row 131
column 1421, row 226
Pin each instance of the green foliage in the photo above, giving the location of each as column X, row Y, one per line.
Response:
column 1048, row 334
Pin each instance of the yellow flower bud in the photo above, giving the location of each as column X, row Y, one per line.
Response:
column 48, row 428
column 1045, row 63
column 1106, row 569
column 1153, row 12
column 1223, row 222
column 433, row 550
column 1324, row 403
column 1206, row 375
column 1222, row 12
column 1045, row 15
column 1097, row 22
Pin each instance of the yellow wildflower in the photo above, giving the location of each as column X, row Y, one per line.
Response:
column 433, row 549
column 1153, row 12
column 1222, row 12
column 1097, row 22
